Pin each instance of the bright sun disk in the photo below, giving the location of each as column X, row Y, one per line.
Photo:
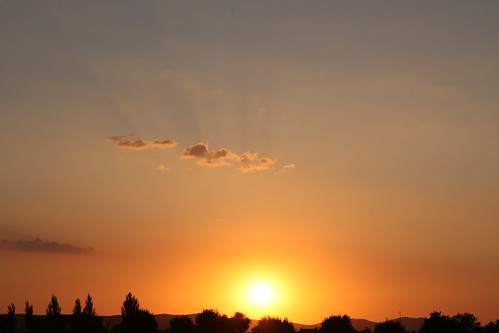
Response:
column 261, row 293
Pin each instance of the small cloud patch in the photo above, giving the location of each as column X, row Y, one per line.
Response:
column 137, row 144
column 247, row 162
column 204, row 156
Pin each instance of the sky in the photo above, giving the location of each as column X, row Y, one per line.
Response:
column 344, row 153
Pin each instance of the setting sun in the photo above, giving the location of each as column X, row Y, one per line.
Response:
column 261, row 294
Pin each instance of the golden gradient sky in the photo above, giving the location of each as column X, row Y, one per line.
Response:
column 346, row 152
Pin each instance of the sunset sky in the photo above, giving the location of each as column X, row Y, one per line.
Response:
column 345, row 154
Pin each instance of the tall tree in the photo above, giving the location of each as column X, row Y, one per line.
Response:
column 91, row 322
column 54, row 320
column 29, row 319
column 85, row 320
column 77, row 308
column 130, row 306
column 53, row 308
column 9, row 322
column 89, row 307
column 135, row 319
column 76, row 320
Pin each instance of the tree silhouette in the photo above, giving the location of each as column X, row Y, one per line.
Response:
column 390, row 326
column 130, row 306
column 134, row 319
column 91, row 323
column 89, row 310
column 181, row 324
column 273, row 325
column 9, row 322
column 77, row 307
column 437, row 323
column 54, row 320
column 239, row 323
column 492, row 327
column 28, row 316
column 211, row 321
column 337, row 324
column 53, row 308
column 466, row 323
column 76, row 320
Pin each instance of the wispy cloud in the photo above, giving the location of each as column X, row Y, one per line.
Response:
column 284, row 168
column 38, row 245
column 247, row 162
column 250, row 162
column 162, row 167
column 123, row 142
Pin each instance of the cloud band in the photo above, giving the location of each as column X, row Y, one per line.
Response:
column 38, row 245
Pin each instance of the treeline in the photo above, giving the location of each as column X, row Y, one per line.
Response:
column 135, row 319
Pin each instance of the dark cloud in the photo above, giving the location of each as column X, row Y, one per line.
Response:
column 39, row 245
column 247, row 162
column 123, row 142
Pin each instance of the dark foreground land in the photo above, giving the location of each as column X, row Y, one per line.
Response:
column 134, row 319
column 163, row 320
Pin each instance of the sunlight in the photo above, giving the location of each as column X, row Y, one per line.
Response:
column 261, row 294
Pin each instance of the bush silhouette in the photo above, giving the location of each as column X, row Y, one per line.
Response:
column 337, row 324
column 492, row 327
column 211, row 321
column 181, row 324
column 239, row 323
column 389, row 326
column 273, row 325
column 466, row 323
